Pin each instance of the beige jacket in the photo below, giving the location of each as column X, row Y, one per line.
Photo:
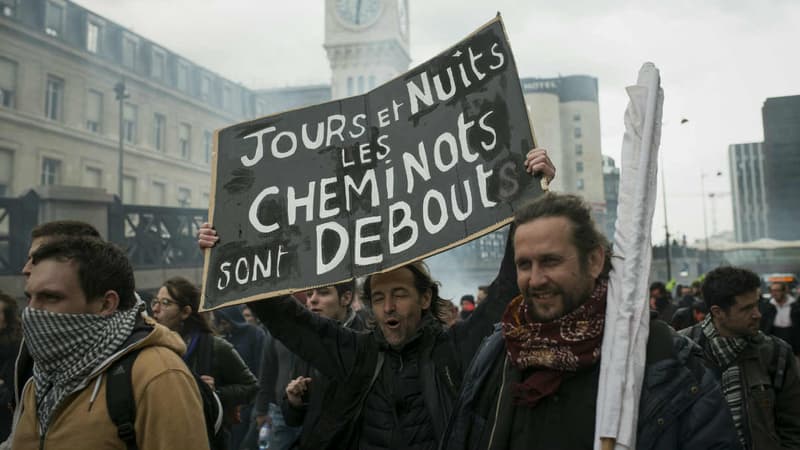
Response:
column 169, row 412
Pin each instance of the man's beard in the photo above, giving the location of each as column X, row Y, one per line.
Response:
column 570, row 300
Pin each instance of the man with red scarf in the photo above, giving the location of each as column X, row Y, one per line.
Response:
column 533, row 384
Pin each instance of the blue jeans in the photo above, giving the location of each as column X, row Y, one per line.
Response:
column 282, row 436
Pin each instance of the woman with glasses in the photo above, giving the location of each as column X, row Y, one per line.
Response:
column 212, row 358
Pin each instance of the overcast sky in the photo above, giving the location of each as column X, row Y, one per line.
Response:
column 719, row 61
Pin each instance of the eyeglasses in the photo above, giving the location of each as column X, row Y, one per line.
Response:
column 164, row 302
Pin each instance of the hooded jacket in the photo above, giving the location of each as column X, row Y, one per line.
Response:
column 166, row 395
column 247, row 339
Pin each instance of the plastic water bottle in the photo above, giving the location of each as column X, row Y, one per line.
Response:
column 263, row 436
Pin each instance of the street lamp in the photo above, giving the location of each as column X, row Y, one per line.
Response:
column 703, row 176
column 664, row 198
column 119, row 89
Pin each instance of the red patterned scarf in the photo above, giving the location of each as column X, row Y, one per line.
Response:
column 568, row 344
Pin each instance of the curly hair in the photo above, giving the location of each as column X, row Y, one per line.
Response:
column 723, row 284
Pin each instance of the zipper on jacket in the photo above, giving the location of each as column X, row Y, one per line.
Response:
column 499, row 397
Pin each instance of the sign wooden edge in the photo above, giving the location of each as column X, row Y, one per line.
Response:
column 211, row 206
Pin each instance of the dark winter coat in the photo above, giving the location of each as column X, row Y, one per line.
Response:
column 681, row 406
column 247, row 339
column 308, row 414
column 234, row 383
column 772, row 390
column 364, row 370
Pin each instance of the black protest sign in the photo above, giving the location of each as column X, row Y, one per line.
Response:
column 323, row 194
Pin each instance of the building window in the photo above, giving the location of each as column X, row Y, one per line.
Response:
column 372, row 82
column 158, row 196
column 51, row 172
column 184, row 197
column 128, row 190
column 93, row 177
column 6, row 166
column 54, row 97
column 227, row 98
column 129, row 114
column 183, row 77
column 578, row 149
column 53, row 19
column 129, row 50
column 579, row 166
column 579, row 184
column 578, row 132
column 349, row 86
column 205, row 88
column 206, row 199
column 159, row 60
column 208, row 142
column 576, row 117
column 92, row 36
column 159, row 132
column 8, row 7
column 8, row 82
column 94, row 111
column 361, row 84
column 184, row 141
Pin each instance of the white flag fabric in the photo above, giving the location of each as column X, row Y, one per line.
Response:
column 627, row 314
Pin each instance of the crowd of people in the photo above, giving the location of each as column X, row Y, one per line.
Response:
column 389, row 364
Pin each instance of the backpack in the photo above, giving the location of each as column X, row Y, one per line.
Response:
column 122, row 406
column 777, row 354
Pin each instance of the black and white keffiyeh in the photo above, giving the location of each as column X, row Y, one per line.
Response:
column 725, row 351
column 67, row 348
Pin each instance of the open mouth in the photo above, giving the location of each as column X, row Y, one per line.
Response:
column 316, row 310
column 392, row 323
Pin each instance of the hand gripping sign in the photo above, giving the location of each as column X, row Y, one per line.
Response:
column 323, row 194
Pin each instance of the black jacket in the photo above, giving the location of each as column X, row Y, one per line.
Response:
column 214, row 356
column 288, row 367
column 358, row 364
column 771, row 382
column 681, row 406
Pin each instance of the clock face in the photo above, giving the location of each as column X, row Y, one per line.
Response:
column 402, row 16
column 359, row 13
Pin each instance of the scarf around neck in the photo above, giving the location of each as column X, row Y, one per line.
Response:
column 67, row 348
column 725, row 351
column 566, row 345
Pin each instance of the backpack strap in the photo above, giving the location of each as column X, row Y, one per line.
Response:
column 205, row 354
column 119, row 398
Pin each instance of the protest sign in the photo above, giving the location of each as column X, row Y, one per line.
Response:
column 322, row 194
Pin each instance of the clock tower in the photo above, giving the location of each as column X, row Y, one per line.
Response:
column 367, row 43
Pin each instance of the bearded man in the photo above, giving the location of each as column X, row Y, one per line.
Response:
column 533, row 384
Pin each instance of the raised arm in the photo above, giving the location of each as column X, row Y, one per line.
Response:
column 469, row 333
column 323, row 343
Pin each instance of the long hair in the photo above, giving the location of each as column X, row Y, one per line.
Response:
column 186, row 293
column 422, row 282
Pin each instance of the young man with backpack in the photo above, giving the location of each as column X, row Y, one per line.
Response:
column 757, row 372
column 82, row 319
